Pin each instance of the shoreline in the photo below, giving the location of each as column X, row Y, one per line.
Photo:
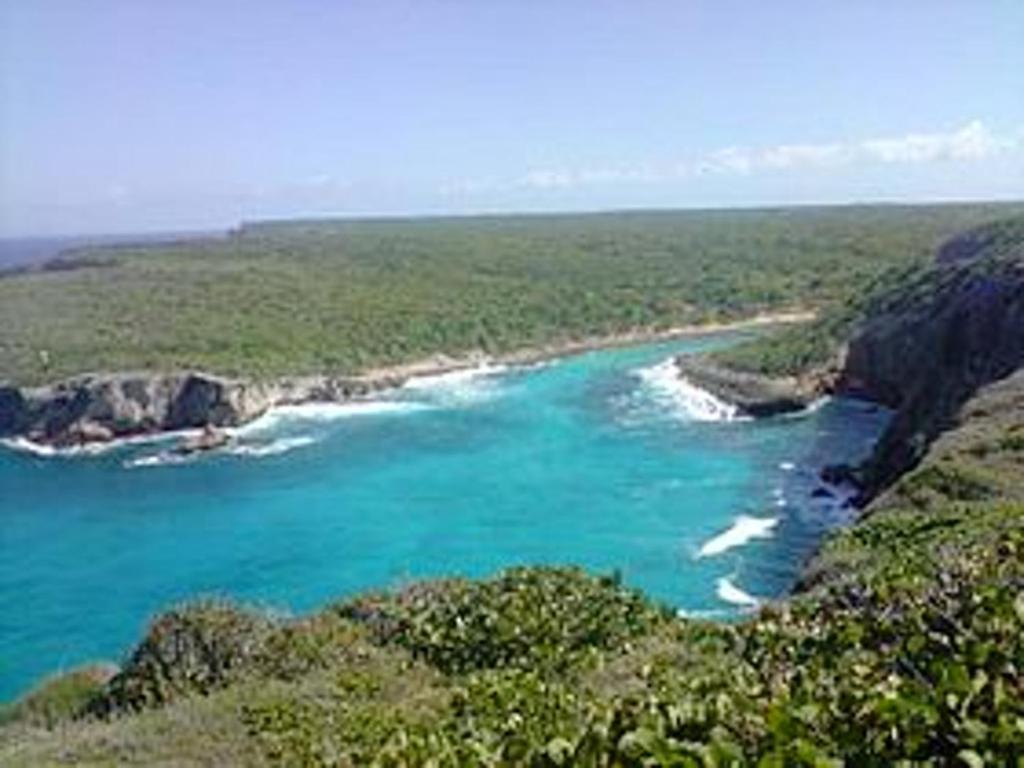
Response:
column 311, row 389
column 442, row 363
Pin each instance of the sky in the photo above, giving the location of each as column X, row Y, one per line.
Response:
column 128, row 116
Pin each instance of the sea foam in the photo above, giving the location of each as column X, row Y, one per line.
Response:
column 744, row 529
column 163, row 459
column 733, row 595
column 321, row 412
column 273, row 448
column 668, row 388
column 456, row 388
column 24, row 445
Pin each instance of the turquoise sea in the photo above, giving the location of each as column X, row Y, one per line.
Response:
column 600, row 459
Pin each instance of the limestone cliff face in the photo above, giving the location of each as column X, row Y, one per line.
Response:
column 96, row 408
column 922, row 346
column 101, row 407
column 925, row 356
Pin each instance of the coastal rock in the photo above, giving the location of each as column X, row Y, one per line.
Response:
column 97, row 408
column 755, row 395
column 927, row 359
column 922, row 347
column 101, row 407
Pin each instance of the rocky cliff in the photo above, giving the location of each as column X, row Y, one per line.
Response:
column 101, row 407
column 921, row 344
column 925, row 355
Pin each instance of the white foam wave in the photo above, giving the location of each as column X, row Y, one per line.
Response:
column 323, row 412
column 156, row 460
column 702, row 614
column 462, row 387
column 730, row 593
column 668, row 388
column 787, row 466
column 24, row 445
column 744, row 529
column 273, row 448
column 812, row 407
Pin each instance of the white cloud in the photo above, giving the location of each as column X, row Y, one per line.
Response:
column 548, row 179
column 804, row 155
column 728, row 160
column 971, row 142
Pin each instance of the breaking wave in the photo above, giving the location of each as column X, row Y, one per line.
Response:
column 163, row 459
column 273, row 448
column 320, row 412
column 745, row 529
column 24, row 445
column 811, row 408
column 456, row 388
column 730, row 593
column 669, row 389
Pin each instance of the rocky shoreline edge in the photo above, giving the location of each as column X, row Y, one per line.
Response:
column 96, row 409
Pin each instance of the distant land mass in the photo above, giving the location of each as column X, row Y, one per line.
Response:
column 340, row 297
column 30, row 252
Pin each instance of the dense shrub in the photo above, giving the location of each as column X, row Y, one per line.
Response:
column 337, row 297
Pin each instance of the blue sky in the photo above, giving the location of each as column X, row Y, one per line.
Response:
column 123, row 116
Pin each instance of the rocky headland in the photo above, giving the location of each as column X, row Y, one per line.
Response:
column 922, row 345
column 97, row 408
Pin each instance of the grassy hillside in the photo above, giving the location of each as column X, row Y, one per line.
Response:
column 906, row 644
column 336, row 297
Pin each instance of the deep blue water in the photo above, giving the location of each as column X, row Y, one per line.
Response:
column 594, row 459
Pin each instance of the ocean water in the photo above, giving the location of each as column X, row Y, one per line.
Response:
column 602, row 459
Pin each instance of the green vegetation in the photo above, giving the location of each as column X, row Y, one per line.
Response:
column 905, row 647
column 338, row 297
column 59, row 697
column 900, row 291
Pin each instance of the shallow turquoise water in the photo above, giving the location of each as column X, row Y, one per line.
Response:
column 592, row 460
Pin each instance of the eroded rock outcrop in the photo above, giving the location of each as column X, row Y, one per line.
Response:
column 921, row 346
column 928, row 358
column 101, row 407
column 754, row 394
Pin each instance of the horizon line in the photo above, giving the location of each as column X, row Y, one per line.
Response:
column 239, row 224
